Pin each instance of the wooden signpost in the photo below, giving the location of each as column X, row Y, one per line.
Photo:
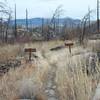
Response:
column 69, row 44
column 30, row 50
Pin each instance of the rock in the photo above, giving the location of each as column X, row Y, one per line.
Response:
column 54, row 87
column 49, row 85
column 52, row 98
column 90, row 60
column 46, row 91
column 97, row 93
column 51, row 92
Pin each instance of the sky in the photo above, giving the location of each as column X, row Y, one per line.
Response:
column 46, row 8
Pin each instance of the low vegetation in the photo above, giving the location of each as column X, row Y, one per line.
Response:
column 28, row 80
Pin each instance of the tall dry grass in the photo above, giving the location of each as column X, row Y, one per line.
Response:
column 25, row 82
column 72, row 82
column 28, row 80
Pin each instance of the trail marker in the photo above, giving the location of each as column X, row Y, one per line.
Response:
column 30, row 50
column 69, row 44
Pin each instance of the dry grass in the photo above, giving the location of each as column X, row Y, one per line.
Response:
column 24, row 82
column 9, row 52
column 72, row 83
column 28, row 80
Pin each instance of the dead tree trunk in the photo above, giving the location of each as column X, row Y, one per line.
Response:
column 42, row 26
column 15, row 30
column 7, row 27
column 27, row 20
column 98, row 16
column 83, row 32
column 84, row 21
column 89, row 19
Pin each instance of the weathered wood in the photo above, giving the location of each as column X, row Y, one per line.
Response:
column 30, row 50
column 69, row 44
column 56, row 48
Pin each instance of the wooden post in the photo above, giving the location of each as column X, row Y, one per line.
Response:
column 30, row 56
column 69, row 45
column 69, row 48
column 30, row 50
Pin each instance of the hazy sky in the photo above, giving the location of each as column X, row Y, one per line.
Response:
column 45, row 8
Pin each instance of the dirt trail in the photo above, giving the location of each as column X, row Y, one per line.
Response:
column 50, row 86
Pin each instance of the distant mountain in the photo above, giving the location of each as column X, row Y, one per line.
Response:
column 38, row 21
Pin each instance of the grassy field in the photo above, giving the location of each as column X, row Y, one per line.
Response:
column 30, row 79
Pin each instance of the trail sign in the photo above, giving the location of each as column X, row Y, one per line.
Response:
column 69, row 44
column 30, row 50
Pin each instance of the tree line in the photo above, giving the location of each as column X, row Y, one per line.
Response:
column 52, row 29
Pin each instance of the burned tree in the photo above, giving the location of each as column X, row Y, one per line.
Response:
column 42, row 27
column 27, row 20
column 54, row 24
column 15, row 29
column 5, row 12
column 84, row 21
column 89, row 18
column 98, row 16
column 7, row 27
